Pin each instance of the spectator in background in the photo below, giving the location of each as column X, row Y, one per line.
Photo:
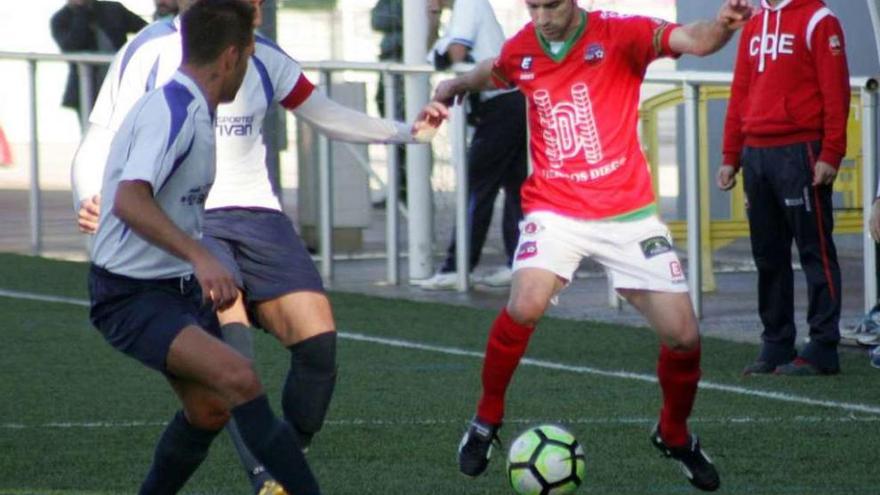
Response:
column 786, row 127
column 165, row 9
column 496, row 157
column 91, row 26
column 387, row 18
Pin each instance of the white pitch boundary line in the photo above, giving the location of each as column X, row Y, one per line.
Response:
column 454, row 351
column 355, row 422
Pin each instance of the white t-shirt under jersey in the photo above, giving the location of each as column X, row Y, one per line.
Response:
column 167, row 140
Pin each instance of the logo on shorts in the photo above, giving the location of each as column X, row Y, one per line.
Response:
column 531, row 228
column 527, row 250
column 676, row 271
column 594, row 53
column 655, row 246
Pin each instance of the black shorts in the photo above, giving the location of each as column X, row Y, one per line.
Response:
column 262, row 250
column 142, row 317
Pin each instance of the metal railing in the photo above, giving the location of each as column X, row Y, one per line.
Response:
column 689, row 81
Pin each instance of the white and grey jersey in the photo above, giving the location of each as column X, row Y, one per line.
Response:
column 272, row 76
column 166, row 140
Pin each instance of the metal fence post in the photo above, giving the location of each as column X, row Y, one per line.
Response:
column 325, row 194
column 36, row 209
column 458, row 138
column 84, row 70
column 869, row 183
column 692, row 180
column 392, row 228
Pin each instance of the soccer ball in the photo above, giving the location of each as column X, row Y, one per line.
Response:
column 545, row 460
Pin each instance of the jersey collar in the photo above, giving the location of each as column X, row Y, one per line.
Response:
column 566, row 47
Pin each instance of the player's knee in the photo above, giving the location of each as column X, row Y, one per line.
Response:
column 687, row 338
column 241, row 381
column 211, row 416
column 526, row 311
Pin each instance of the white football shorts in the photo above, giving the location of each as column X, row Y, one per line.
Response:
column 636, row 254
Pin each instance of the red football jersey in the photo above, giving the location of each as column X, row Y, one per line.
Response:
column 583, row 114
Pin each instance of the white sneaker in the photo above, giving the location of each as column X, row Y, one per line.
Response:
column 440, row 281
column 501, row 277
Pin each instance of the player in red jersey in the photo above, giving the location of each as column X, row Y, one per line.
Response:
column 590, row 195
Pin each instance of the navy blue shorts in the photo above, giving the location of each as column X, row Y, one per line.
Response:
column 142, row 317
column 262, row 250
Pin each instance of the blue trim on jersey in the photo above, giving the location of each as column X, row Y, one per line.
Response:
column 178, row 97
column 125, row 230
column 462, row 41
column 151, row 78
column 177, row 163
column 151, row 32
column 264, row 79
column 271, row 44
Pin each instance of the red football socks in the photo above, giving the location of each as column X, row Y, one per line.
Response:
column 507, row 344
column 678, row 373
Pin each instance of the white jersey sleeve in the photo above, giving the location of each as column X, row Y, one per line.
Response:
column 340, row 122
column 136, row 69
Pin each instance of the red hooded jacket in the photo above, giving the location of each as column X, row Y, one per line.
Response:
column 791, row 83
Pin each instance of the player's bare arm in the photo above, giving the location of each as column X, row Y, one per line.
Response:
column 477, row 79
column 134, row 205
column 703, row 38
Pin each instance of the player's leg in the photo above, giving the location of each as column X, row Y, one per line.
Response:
column 543, row 264
column 678, row 371
column 159, row 323
column 185, row 441
column 285, row 292
column 203, row 359
column 236, row 331
column 671, row 315
column 303, row 323
column 646, row 271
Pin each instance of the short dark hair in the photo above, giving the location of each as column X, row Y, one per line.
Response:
column 209, row 26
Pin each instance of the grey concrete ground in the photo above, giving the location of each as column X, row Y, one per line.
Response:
column 729, row 312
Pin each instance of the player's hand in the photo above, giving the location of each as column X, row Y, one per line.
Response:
column 726, row 177
column 449, row 92
column 735, row 13
column 218, row 285
column 874, row 222
column 824, row 174
column 87, row 216
column 429, row 120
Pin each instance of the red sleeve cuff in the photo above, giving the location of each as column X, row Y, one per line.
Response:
column 665, row 49
column 301, row 90
column 732, row 159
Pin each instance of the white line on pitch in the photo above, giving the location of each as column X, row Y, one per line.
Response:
column 354, row 422
column 454, row 351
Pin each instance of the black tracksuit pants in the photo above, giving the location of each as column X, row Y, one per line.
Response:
column 784, row 205
column 496, row 159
